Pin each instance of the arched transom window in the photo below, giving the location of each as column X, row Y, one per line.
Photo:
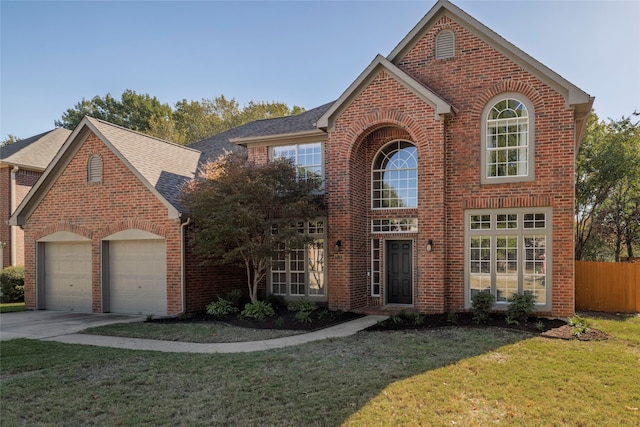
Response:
column 395, row 176
column 507, row 139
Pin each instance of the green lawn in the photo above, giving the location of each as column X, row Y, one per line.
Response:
column 450, row 376
column 11, row 307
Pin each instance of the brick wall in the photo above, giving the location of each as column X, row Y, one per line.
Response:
column 96, row 210
column 5, row 207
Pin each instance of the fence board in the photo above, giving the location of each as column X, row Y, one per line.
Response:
column 612, row 287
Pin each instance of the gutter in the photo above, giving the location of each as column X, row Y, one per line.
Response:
column 14, row 244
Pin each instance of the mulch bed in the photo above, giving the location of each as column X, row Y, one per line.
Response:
column 323, row 318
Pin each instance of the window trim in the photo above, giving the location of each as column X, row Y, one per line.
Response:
column 530, row 176
column 520, row 232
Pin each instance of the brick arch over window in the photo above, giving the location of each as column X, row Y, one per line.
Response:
column 64, row 226
column 508, row 86
column 137, row 224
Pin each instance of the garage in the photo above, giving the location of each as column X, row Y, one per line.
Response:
column 137, row 274
column 66, row 282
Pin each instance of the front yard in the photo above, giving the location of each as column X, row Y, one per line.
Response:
column 444, row 376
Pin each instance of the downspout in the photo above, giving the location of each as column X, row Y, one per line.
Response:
column 14, row 244
column 183, row 269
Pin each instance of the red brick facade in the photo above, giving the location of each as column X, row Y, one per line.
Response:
column 449, row 171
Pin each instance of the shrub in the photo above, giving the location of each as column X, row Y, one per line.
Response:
column 301, row 305
column 258, row 310
column 520, row 307
column 221, row 308
column 482, row 302
column 12, row 284
column 579, row 325
column 303, row 316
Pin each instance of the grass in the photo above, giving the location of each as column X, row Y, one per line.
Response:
column 11, row 307
column 189, row 332
column 450, row 376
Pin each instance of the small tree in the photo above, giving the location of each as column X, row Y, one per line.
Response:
column 245, row 213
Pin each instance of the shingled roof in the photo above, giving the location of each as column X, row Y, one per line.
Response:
column 216, row 145
column 35, row 152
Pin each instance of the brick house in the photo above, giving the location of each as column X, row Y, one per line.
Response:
column 21, row 164
column 448, row 170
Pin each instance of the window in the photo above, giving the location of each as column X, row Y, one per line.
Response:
column 94, row 168
column 445, row 45
column 307, row 157
column 394, row 225
column 375, row 267
column 506, row 254
column 300, row 272
column 395, row 176
column 507, row 140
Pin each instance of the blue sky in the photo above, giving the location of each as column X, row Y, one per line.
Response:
column 306, row 53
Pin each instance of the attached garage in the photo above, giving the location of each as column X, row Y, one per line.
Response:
column 64, row 274
column 135, row 270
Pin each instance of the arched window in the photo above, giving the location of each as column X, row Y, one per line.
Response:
column 94, row 168
column 395, row 176
column 508, row 140
column 445, row 45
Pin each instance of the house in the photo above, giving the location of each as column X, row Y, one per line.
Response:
column 448, row 170
column 21, row 164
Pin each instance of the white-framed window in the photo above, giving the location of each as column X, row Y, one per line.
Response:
column 394, row 225
column 395, row 176
column 94, row 168
column 507, row 140
column 376, row 267
column 307, row 157
column 301, row 272
column 506, row 253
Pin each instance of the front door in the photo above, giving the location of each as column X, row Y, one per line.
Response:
column 399, row 268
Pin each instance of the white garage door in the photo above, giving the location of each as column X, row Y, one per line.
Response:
column 67, row 276
column 138, row 277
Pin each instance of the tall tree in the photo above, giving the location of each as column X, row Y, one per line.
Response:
column 10, row 139
column 132, row 111
column 607, row 180
column 245, row 213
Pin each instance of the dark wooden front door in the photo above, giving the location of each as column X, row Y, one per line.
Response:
column 399, row 267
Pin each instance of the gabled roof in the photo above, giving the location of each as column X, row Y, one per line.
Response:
column 441, row 106
column 162, row 166
column 574, row 96
column 36, row 152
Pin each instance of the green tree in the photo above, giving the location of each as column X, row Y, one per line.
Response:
column 244, row 213
column 607, row 182
column 10, row 139
column 133, row 111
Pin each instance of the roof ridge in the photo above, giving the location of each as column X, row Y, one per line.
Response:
column 140, row 133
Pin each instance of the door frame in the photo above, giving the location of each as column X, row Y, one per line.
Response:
column 387, row 242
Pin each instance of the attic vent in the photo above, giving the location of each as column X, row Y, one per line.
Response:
column 445, row 45
column 94, row 169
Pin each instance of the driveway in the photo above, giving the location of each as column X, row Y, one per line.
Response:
column 42, row 324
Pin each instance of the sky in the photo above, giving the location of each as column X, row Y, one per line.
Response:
column 305, row 53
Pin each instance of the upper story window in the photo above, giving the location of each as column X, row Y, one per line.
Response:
column 395, row 176
column 445, row 45
column 508, row 150
column 307, row 157
column 94, row 168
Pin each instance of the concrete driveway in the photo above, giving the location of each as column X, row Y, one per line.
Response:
column 42, row 324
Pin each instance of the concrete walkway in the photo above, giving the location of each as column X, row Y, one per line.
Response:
column 63, row 327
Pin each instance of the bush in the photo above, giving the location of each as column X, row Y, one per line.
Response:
column 221, row 308
column 12, row 284
column 579, row 325
column 520, row 307
column 482, row 303
column 258, row 310
column 301, row 305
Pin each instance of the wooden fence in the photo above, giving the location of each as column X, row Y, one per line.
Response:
column 612, row 287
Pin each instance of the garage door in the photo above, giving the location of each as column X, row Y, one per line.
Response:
column 67, row 276
column 138, row 277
